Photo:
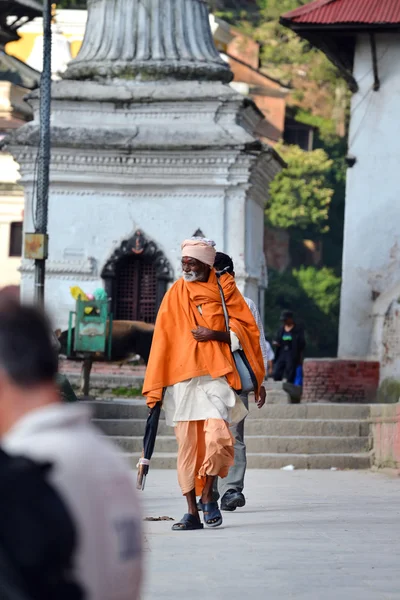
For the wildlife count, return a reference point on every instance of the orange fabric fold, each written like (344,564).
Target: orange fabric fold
(176,356)
(204,448)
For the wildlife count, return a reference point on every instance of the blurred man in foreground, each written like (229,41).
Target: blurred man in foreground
(93,481)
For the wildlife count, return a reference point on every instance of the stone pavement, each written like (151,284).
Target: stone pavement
(306,535)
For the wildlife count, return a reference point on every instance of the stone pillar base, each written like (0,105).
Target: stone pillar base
(336,380)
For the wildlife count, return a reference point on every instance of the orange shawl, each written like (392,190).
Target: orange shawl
(176,356)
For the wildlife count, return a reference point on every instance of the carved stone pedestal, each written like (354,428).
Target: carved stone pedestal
(146,135)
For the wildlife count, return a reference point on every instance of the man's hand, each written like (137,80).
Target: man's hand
(202,334)
(261,399)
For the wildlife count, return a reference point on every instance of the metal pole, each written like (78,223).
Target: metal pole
(44,150)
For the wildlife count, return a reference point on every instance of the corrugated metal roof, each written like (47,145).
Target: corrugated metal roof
(332,12)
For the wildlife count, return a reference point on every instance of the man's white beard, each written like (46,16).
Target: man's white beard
(191,276)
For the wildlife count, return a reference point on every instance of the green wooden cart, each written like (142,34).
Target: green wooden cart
(89,333)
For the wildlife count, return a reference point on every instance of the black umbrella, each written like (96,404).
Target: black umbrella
(149,441)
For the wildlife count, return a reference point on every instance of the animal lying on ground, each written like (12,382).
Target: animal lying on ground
(129,338)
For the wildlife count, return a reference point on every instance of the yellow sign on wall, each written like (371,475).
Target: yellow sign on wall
(36,245)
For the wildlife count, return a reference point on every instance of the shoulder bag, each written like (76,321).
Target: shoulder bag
(246,373)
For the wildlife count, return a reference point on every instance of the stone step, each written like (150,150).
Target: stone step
(128,427)
(306,445)
(311,411)
(284,427)
(263,444)
(118,409)
(308,427)
(360,460)
(137,409)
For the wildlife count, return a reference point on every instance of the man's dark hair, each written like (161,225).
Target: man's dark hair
(287,314)
(223,260)
(27,355)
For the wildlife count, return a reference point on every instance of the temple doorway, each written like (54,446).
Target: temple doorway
(136,290)
(136,279)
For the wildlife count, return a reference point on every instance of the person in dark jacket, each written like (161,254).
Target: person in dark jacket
(289,348)
(37,535)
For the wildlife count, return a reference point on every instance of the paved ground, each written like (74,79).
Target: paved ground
(308,535)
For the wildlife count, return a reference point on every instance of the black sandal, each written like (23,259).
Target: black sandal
(188,523)
(212,514)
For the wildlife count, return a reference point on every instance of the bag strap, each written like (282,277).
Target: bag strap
(224,308)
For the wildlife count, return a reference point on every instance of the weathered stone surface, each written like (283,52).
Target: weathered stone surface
(385,426)
(78,137)
(278,397)
(148,39)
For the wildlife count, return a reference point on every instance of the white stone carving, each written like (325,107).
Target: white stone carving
(65,269)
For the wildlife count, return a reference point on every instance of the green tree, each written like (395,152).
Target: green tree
(323,286)
(300,195)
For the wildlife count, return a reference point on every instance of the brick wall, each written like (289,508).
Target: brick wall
(335,380)
(385,427)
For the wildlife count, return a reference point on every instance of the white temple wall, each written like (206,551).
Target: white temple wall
(90,225)
(371,258)
(95,223)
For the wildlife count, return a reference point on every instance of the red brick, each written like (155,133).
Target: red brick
(340,380)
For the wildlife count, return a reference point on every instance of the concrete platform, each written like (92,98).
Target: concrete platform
(303,535)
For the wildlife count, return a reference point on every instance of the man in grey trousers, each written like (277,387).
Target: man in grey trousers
(231,488)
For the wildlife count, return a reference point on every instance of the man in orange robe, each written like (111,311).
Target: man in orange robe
(192,371)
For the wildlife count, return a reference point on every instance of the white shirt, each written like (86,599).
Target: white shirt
(266,349)
(98,489)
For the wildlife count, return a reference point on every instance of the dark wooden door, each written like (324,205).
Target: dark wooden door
(136,290)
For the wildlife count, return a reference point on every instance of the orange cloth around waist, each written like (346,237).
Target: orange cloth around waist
(204,448)
(176,356)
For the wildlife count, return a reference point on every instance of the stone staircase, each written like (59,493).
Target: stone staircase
(307,436)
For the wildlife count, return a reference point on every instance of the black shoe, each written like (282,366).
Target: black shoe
(231,500)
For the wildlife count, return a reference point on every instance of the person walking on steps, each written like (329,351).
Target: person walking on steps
(231,488)
(289,344)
